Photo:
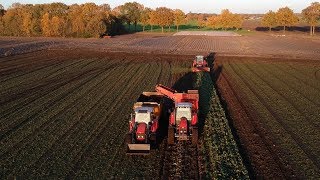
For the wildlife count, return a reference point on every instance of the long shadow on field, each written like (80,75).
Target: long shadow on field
(215,74)
(184,83)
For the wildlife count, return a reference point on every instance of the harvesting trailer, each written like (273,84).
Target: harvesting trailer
(183,120)
(200,64)
(144,123)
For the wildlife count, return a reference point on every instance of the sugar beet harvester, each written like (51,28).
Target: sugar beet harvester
(200,64)
(183,120)
(144,123)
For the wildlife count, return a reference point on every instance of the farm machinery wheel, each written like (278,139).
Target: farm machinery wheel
(153,139)
(171,135)
(195,135)
(128,140)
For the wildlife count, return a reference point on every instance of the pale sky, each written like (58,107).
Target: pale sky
(200,6)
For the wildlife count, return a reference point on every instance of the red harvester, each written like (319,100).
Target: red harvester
(144,122)
(183,120)
(200,64)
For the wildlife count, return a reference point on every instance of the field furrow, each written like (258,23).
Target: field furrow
(277,128)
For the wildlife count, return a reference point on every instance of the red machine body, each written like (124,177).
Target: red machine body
(144,123)
(183,121)
(200,64)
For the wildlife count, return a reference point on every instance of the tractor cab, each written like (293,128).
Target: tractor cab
(183,119)
(200,64)
(183,109)
(143,114)
(199,60)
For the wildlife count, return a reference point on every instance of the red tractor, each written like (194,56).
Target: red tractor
(200,64)
(183,120)
(144,123)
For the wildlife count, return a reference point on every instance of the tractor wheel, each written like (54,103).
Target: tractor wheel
(153,137)
(195,136)
(170,135)
(128,138)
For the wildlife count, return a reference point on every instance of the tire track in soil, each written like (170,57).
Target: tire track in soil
(90,76)
(118,157)
(304,79)
(41,64)
(41,89)
(272,160)
(288,99)
(317,74)
(74,132)
(306,86)
(94,140)
(306,75)
(11,130)
(74,79)
(276,117)
(180,161)
(38,85)
(308,151)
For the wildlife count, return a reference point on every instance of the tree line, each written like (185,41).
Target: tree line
(285,17)
(91,20)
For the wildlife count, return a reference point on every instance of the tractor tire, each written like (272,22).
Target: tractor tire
(170,135)
(153,138)
(195,135)
(128,139)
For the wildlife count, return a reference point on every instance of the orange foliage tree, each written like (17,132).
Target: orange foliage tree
(311,15)
(164,17)
(269,20)
(286,17)
(179,18)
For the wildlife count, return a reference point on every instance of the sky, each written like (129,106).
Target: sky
(197,6)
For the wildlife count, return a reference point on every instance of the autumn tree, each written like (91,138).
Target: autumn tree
(77,23)
(1,21)
(286,17)
(170,19)
(131,12)
(57,26)
(27,23)
(237,21)
(153,19)
(201,20)
(179,18)
(45,25)
(213,22)
(269,20)
(145,17)
(13,21)
(163,17)
(311,15)
(97,26)
(225,20)
(2,11)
